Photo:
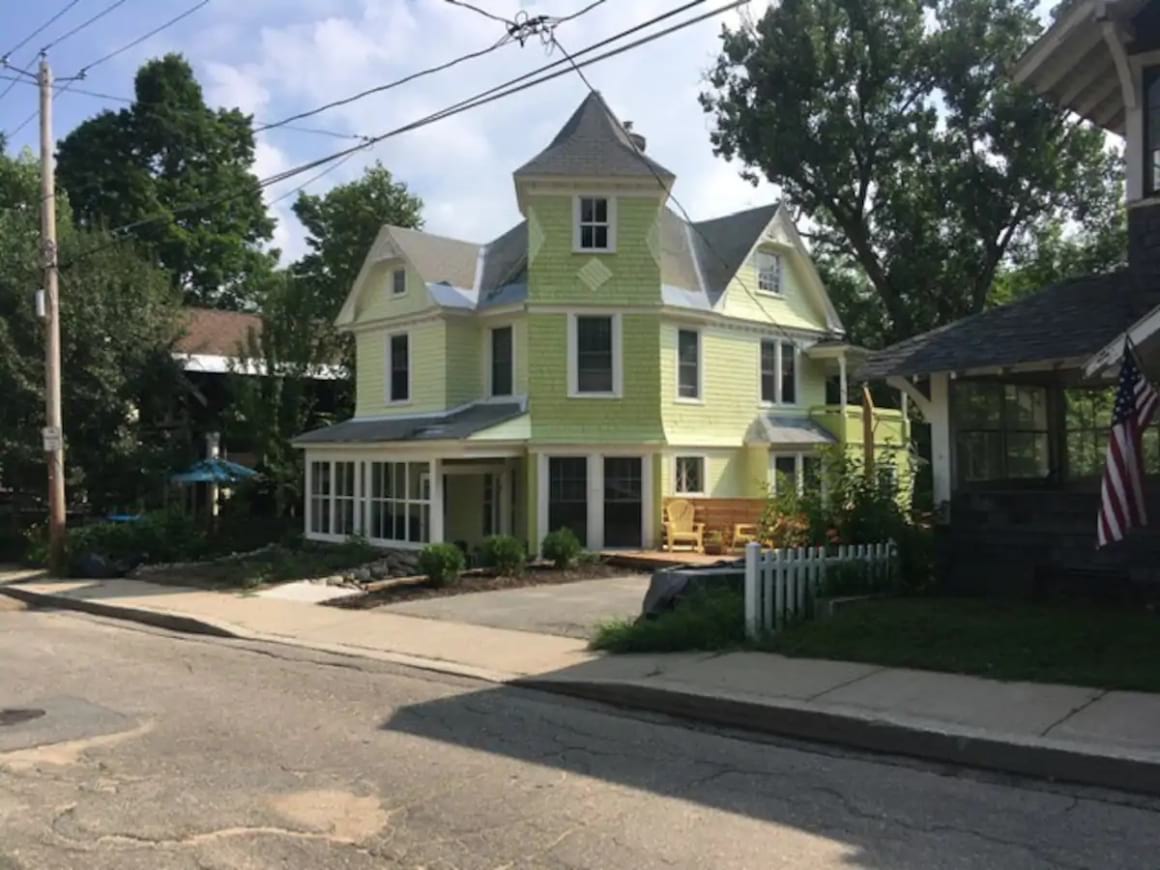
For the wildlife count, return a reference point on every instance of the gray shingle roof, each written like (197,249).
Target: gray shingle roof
(775,430)
(1070,319)
(437,258)
(723,243)
(434,428)
(504,258)
(593,143)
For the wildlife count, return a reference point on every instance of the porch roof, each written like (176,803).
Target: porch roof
(776,430)
(1063,322)
(436,427)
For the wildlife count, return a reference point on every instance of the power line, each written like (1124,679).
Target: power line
(652,169)
(490,95)
(83,25)
(88,66)
(506,39)
(37,32)
(386,87)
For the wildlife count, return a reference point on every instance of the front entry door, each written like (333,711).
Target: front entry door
(623,497)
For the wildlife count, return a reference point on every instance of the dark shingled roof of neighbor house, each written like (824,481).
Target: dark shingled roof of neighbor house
(437,427)
(1073,318)
(593,143)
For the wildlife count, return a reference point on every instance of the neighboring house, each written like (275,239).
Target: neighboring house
(595,359)
(214,344)
(1018,396)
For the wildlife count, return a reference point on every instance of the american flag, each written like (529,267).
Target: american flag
(1122,494)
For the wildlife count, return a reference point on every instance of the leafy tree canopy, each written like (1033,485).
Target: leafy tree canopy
(891,125)
(341,226)
(119,318)
(154,159)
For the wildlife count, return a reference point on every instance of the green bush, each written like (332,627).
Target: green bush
(160,536)
(442,563)
(504,553)
(708,619)
(561,547)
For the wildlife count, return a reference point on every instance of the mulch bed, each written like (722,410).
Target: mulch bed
(535,575)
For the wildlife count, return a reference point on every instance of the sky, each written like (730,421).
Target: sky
(274,58)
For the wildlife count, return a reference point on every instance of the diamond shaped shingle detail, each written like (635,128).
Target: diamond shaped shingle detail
(535,236)
(653,240)
(594,274)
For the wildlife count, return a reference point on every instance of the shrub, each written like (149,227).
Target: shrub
(442,563)
(561,547)
(504,553)
(160,536)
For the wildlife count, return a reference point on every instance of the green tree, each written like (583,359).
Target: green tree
(118,325)
(341,226)
(891,124)
(278,396)
(156,158)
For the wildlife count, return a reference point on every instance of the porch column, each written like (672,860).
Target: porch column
(940,437)
(843,387)
(436,530)
(506,502)
(595,502)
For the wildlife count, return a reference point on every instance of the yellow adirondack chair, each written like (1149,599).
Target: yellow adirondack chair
(680,526)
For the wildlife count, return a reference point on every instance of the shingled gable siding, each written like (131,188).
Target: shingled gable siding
(633,418)
(428,374)
(795,307)
(731,396)
(739,472)
(461,359)
(377,300)
(554,273)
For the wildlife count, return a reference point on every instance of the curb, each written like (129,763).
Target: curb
(1048,760)
(157,619)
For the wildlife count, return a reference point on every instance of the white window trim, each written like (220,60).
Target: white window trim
(617,356)
(704,474)
(797,373)
(779,293)
(799,466)
(397,403)
(611,200)
(699,399)
(395,269)
(488,352)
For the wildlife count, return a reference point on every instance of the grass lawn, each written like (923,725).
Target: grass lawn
(1081,645)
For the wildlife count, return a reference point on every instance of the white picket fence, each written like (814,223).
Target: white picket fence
(781,585)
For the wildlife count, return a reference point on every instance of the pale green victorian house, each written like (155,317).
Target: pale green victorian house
(590,362)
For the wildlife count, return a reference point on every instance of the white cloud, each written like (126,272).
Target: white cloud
(280,62)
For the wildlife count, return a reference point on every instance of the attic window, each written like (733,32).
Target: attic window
(594,224)
(398,282)
(768,272)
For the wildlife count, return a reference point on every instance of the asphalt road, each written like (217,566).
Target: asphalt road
(175,751)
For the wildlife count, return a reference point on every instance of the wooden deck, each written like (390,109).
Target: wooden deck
(652,559)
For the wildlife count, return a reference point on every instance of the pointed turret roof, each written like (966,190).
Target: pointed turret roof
(593,143)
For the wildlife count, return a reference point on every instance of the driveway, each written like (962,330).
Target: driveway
(570,609)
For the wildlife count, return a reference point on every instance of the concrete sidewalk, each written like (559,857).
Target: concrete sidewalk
(1104,738)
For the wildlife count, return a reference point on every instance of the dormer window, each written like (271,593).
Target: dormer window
(768,272)
(1152,131)
(398,282)
(595,224)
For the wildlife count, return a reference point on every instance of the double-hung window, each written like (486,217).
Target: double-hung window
(689,475)
(688,364)
(593,341)
(1152,131)
(768,272)
(778,372)
(501,361)
(398,282)
(594,224)
(797,472)
(399,368)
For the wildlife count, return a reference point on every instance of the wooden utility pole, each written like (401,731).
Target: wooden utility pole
(53,433)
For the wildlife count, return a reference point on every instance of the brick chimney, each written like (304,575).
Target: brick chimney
(638,140)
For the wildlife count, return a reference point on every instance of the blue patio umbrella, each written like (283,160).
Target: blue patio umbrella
(219,471)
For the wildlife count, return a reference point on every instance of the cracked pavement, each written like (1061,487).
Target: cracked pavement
(248,755)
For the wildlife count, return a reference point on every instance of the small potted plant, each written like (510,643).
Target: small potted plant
(714,543)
